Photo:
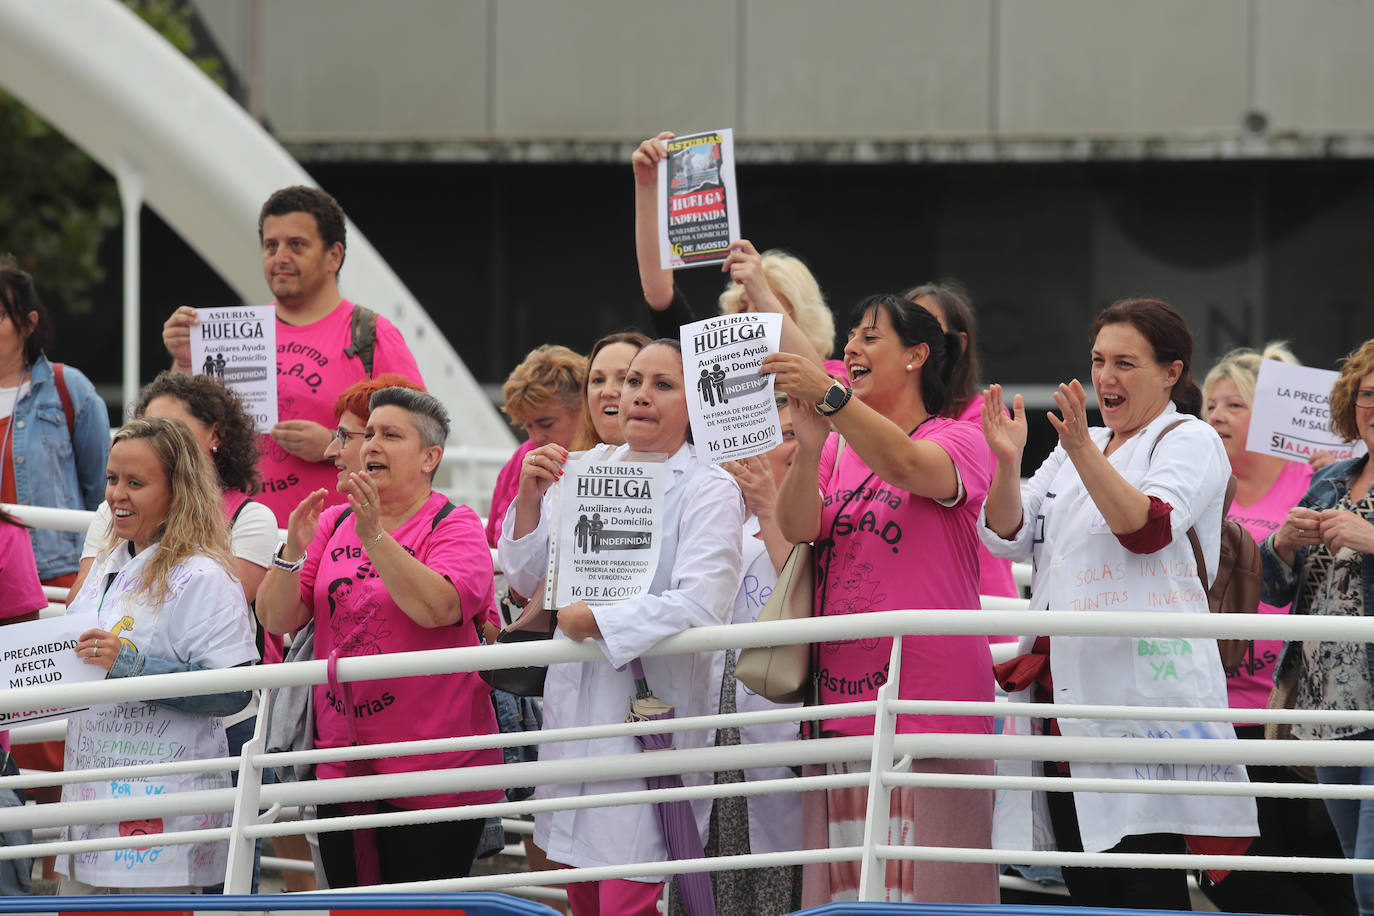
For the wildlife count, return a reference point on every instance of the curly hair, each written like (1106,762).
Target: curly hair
(329,216)
(1354,367)
(586,433)
(1241,368)
(549,372)
(355,397)
(195,514)
(217,406)
(792,282)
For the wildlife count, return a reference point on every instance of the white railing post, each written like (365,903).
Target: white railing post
(238,873)
(878,817)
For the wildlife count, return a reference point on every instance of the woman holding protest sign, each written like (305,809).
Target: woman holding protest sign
(398,569)
(693,584)
(1267,487)
(898,482)
(1322,560)
(165,599)
(1106,520)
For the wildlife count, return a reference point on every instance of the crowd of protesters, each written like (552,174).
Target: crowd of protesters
(183,571)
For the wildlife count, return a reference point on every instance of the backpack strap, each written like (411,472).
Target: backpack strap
(59,377)
(363,336)
(339,521)
(442,514)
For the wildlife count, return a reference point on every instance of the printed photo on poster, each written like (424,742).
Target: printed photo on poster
(238,346)
(1291,417)
(609,527)
(42,653)
(698,205)
(731,406)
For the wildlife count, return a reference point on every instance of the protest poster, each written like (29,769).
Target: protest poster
(698,207)
(42,653)
(1290,416)
(608,525)
(238,346)
(730,404)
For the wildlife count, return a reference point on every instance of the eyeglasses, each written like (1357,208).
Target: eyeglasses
(342,436)
(1364,397)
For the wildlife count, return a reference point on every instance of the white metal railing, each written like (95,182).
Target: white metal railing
(884,751)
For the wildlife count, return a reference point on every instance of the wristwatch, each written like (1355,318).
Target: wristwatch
(836,396)
(287,565)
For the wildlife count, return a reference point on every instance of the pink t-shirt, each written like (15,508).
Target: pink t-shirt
(20,591)
(995,576)
(352,607)
(312,372)
(503,494)
(1250,689)
(895,551)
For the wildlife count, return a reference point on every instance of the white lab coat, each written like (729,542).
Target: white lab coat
(697,578)
(1080,565)
(775,823)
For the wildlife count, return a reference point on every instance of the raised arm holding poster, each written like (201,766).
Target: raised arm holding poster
(238,346)
(42,653)
(608,525)
(1291,417)
(698,207)
(730,404)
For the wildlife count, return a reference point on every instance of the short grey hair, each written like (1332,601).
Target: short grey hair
(428,415)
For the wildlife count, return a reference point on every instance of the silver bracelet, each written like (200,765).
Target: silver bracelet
(376,539)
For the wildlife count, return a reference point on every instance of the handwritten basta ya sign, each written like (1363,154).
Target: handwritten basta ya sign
(609,525)
(730,404)
(43,653)
(1291,416)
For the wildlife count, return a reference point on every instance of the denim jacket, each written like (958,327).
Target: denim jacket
(54,469)
(129,663)
(1281,584)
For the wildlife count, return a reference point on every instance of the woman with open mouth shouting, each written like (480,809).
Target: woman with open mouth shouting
(899,490)
(1106,520)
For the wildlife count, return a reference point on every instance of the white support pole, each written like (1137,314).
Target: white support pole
(130,183)
(238,873)
(878,817)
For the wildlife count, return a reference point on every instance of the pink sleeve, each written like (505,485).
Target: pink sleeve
(826,470)
(392,354)
(20,589)
(966,447)
(507,484)
(457,550)
(315,552)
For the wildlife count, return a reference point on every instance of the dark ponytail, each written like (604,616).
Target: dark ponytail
(915,326)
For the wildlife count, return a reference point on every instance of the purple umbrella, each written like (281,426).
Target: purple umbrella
(675,818)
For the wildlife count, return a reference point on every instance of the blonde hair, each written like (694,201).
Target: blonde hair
(549,372)
(1241,366)
(792,282)
(195,514)
(1354,367)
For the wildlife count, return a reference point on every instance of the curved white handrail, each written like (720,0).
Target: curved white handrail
(141,108)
